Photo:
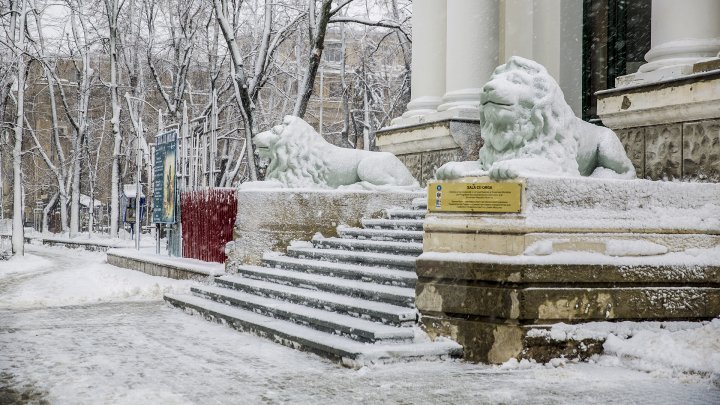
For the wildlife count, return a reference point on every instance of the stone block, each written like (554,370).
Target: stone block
(413,162)
(633,139)
(432,160)
(663,152)
(474,242)
(269,219)
(559,304)
(450,297)
(701,150)
(482,341)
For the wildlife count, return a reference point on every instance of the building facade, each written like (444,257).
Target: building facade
(588,46)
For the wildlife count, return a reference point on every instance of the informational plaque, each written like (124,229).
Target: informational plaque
(475,197)
(165,185)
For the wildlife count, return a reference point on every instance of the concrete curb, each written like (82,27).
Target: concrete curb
(156,265)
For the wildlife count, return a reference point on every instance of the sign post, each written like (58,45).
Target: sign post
(165,181)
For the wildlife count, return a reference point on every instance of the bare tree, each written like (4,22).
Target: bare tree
(246,89)
(18,237)
(112,11)
(317,30)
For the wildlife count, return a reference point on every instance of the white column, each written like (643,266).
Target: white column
(682,33)
(428,57)
(472,52)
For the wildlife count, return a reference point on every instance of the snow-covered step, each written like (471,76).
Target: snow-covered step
(380,275)
(379,311)
(400,213)
(420,203)
(329,322)
(347,351)
(370,291)
(405,224)
(380,234)
(406,248)
(383,259)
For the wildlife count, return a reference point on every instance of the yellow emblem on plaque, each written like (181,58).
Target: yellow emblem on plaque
(475,197)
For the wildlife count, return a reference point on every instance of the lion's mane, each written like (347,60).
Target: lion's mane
(296,158)
(544,125)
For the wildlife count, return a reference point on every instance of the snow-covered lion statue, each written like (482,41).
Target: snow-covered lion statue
(300,157)
(529,130)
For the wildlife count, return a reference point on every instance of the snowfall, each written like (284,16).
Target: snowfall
(75,330)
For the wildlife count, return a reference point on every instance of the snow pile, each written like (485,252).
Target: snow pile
(22,264)
(66,283)
(601,330)
(610,247)
(666,351)
(662,348)
(615,247)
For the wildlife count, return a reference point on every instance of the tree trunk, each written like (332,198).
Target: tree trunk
(240,84)
(112,10)
(306,90)
(18,231)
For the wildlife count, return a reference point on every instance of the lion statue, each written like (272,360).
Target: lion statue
(300,157)
(529,130)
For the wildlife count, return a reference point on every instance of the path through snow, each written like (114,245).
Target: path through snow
(78,331)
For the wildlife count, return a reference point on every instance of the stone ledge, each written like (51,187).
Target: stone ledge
(431,136)
(687,98)
(558,303)
(572,274)
(155,265)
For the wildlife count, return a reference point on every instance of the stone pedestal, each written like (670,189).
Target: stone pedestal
(670,129)
(427,145)
(649,251)
(269,219)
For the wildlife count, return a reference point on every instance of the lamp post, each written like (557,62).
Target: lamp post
(138,164)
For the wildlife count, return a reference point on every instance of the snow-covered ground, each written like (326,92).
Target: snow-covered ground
(75,330)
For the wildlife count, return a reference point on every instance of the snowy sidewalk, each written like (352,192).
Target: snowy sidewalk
(75,330)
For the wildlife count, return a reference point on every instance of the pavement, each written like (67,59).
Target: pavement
(137,350)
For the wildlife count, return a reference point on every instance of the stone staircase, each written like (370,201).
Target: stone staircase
(349,298)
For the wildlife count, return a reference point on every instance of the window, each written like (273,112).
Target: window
(333,52)
(616,37)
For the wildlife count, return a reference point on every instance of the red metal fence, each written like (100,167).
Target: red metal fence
(207,218)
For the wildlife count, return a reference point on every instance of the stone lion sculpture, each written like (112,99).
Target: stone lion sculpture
(300,157)
(530,130)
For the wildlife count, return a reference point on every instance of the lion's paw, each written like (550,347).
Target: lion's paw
(456,170)
(503,170)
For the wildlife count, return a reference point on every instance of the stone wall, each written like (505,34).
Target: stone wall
(268,220)
(687,150)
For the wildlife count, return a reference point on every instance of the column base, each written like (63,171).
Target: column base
(671,60)
(422,106)
(464,99)
(654,76)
